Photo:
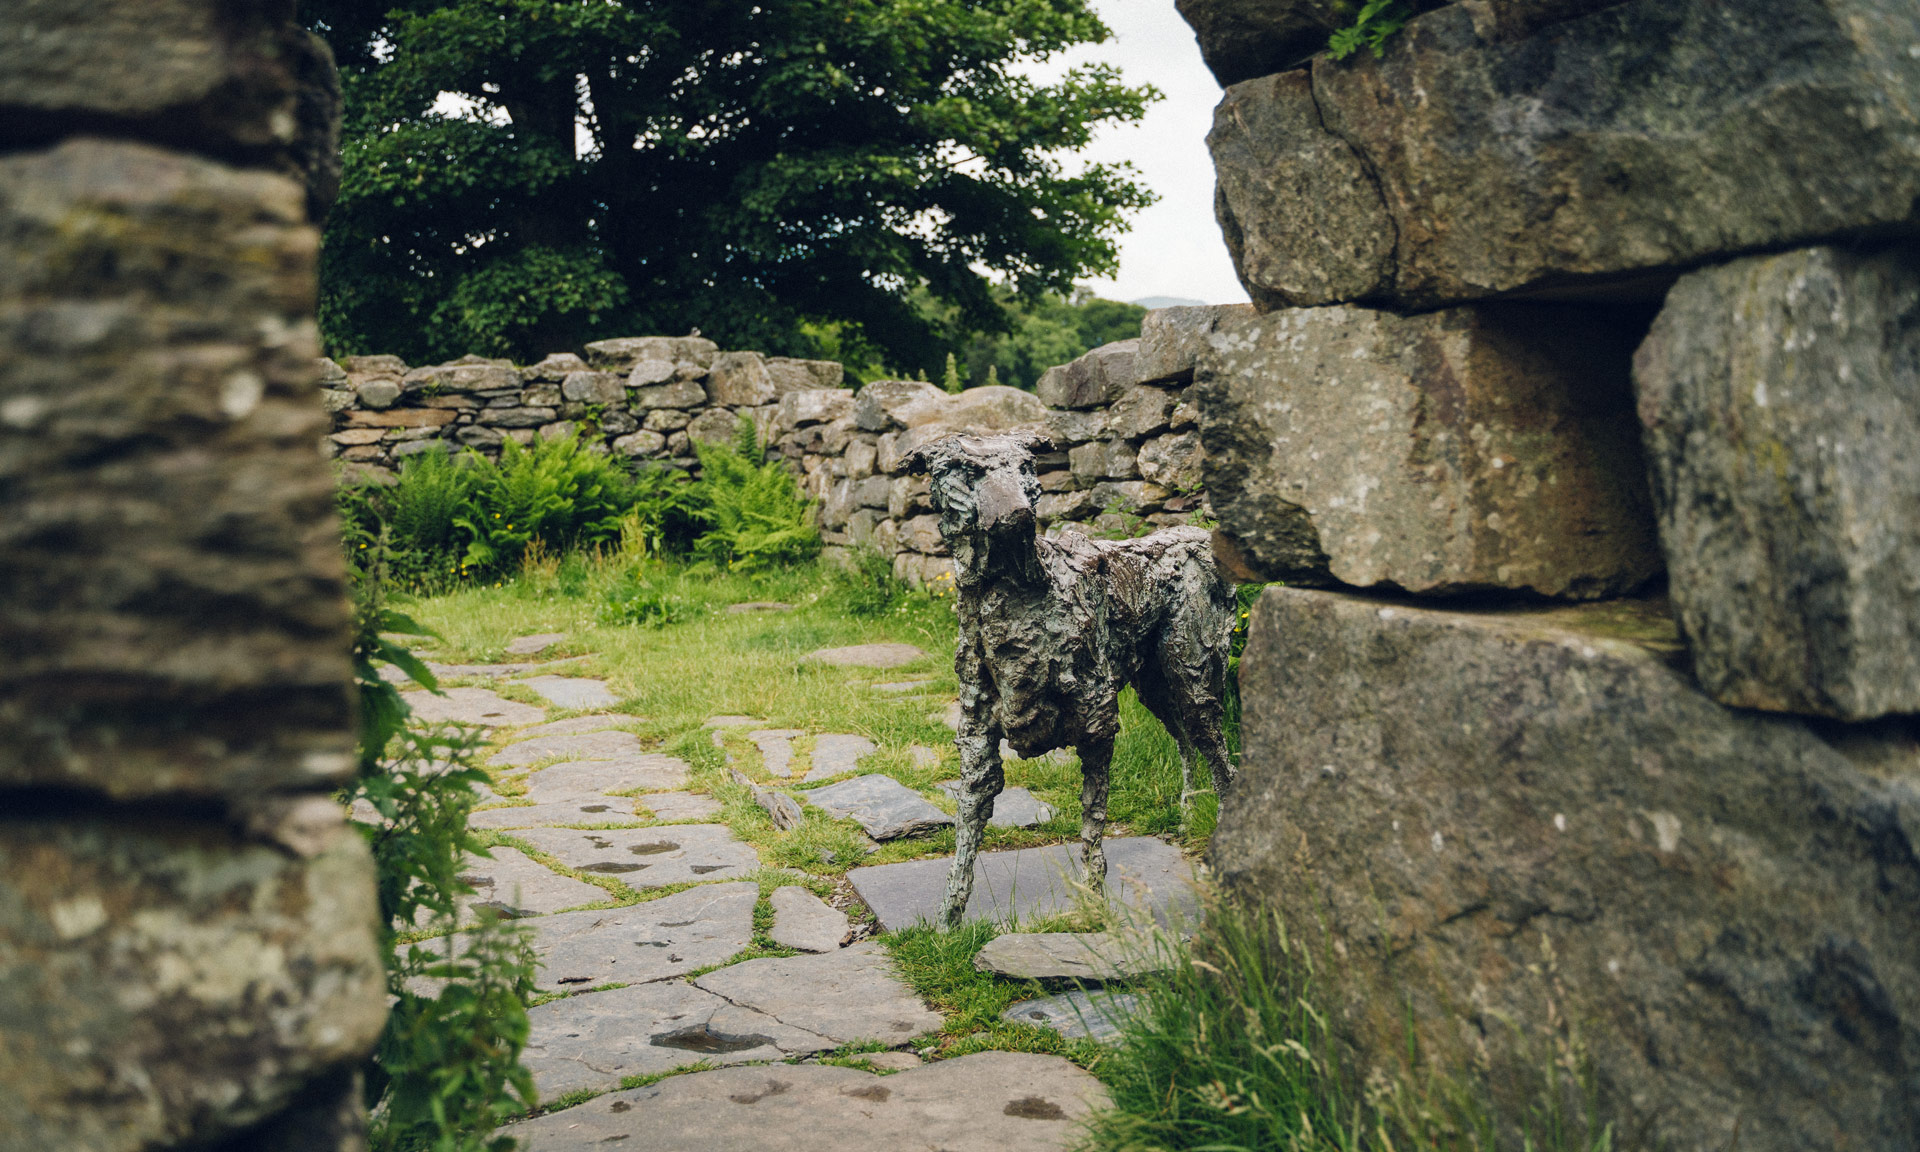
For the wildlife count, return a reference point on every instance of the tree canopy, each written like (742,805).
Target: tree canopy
(763,172)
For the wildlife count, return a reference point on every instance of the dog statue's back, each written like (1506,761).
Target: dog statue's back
(1051,629)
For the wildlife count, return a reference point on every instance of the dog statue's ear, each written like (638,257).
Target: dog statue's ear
(920,461)
(1036,443)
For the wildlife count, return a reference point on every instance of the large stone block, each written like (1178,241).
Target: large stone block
(620,355)
(1781,398)
(1479,447)
(1172,338)
(1095,380)
(1647,136)
(162,979)
(740,380)
(172,600)
(792,375)
(1485,813)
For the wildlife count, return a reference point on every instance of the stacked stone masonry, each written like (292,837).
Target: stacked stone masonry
(1579,410)
(188,952)
(1122,418)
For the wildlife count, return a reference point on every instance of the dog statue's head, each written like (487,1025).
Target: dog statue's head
(987,496)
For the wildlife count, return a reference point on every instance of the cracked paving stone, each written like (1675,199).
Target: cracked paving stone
(596,1039)
(649,857)
(986,1102)
(1095,1015)
(1144,875)
(657,940)
(480,706)
(805,922)
(884,807)
(649,771)
(597,745)
(534,645)
(835,755)
(680,805)
(776,749)
(849,995)
(1092,957)
(517,886)
(572,691)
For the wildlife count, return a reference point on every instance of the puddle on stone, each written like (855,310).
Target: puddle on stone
(703,869)
(620,1106)
(701,1038)
(874,1092)
(612,867)
(653,849)
(1034,1108)
(596,808)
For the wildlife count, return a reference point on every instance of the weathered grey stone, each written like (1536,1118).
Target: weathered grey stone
(1139,412)
(780,808)
(171,594)
(679,394)
(1091,957)
(649,772)
(379,393)
(921,534)
(421,448)
(714,426)
(467,374)
(164,980)
(1173,462)
(480,706)
(594,388)
(816,406)
(538,396)
(1096,1015)
(596,1040)
(648,372)
(1445,794)
(1480,447)
(791,375)
(849,995)
(898,686)
(595,743)
(834,755)
(1093,381)
(993,408)
(740,380)
(554,368)
(1171,339)
(572,691)
(884,807)
(1781,399)
(1067,428)
(655,940)
(513,884)
(805,922)
(1647,136)
(529,418)
(650,857)
(882,404)
(680,805)
(584,808)
(641,443)
(1014,807)
(1145,877)
(986,1102)
(776,749)
(666,420)
(577,726)
(867,656)
(534,645)
(622,354)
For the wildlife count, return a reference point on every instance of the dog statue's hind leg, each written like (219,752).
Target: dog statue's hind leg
(981,779)
(1095,758)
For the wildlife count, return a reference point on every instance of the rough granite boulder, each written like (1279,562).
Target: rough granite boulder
(1171,339)
(1479,810)
(1475,448)
(1781,399)
(172,597)
(740,380)
(1650,135)
(791,375)
(161,979)
(622,354)
(1094,380)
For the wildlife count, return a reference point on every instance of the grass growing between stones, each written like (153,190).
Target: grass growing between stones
(939,967)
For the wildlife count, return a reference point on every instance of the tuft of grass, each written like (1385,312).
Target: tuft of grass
(939,967)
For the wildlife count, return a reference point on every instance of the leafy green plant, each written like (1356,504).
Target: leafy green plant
(867,587)
(750,509)
(1244,598)
(633,601)
(1372,26)
(555,492)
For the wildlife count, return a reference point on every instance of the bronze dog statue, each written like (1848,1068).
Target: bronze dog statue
(1051,629)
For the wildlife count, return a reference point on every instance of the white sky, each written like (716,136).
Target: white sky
(1175,247)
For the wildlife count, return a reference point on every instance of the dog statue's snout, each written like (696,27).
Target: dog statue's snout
(1002,505)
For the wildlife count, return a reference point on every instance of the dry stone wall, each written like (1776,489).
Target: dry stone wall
(1481,728)
(188,954)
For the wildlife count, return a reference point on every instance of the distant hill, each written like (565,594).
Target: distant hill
(1167,302)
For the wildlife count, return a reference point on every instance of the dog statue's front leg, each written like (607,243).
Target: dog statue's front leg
(981,779)
(1095,757)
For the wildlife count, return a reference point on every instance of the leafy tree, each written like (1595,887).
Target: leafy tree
(1053,329)
(753,170)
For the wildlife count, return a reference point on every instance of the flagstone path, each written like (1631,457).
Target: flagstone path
(596,819)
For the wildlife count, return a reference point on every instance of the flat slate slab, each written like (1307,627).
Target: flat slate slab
(573,691)
(650,771)
(867,656)
(657,940)
(732,721)
(587,808)
(986,1102)
(393,675)
(1013,808)
(849,995)
(479,706)
(517,885)
(922,756)
(901,685)
(776,749)
(596,1039)
(604,722)
(884,807)
(649,857)
(838,755)
(805,922)
(1090,957)
(1144,875)
(596,745)
(1095,1015)
(680,805)
(534,645)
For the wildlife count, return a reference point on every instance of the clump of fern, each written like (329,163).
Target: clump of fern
(750,510)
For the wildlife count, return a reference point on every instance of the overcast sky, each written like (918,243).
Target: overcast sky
(1175,247)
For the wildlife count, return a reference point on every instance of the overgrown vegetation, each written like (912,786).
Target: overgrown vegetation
(1373,25)
(447,1068)
(1233,1051)
(749,508)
